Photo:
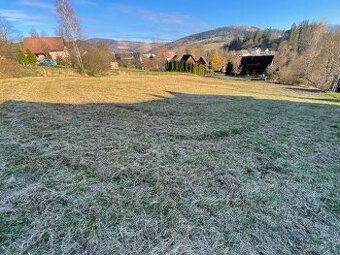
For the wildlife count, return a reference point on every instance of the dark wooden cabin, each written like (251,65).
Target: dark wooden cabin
(202,61)
(188,59)
(255,65)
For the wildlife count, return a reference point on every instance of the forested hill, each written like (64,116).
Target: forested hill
(219,36)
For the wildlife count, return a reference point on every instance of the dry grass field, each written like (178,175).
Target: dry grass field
(145,163)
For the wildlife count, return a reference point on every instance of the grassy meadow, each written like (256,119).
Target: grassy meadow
(147,163)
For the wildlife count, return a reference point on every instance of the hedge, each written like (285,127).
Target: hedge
(181,66)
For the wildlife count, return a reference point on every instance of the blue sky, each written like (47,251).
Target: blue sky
(167,20)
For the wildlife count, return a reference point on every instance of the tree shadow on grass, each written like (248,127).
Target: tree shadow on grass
(190,167)
(301,89)
(329,100)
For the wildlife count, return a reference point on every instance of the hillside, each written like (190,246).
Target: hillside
(217,37)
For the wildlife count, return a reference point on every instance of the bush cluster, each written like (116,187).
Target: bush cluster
(27,59)
(96,59)
(10,68)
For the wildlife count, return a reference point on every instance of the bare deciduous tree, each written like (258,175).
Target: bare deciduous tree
(312,49)
(34,32)
(328,62)
(5,29)
(97,59)
(157,61)
(69,27)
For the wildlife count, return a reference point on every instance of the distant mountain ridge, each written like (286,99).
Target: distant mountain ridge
(212,38)
(208,39)
(334,28)
(121,46)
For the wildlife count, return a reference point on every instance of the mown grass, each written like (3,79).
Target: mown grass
(167,164)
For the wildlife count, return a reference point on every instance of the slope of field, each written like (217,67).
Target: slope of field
(167,164)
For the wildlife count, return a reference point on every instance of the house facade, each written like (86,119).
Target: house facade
(255,65)
(46,47)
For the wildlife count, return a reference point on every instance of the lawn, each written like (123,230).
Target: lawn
(167,164)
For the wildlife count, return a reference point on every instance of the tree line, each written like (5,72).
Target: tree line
(308,54)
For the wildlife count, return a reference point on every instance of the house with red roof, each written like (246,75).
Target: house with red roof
(46,47)
(169,55)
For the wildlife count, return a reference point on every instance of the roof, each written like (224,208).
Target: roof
(187,57)
(169,54)
(44,44)
(149,55)
(202,61)
(175,58)
(255,65)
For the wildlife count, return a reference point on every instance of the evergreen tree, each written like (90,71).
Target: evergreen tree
(266,37)
(229,69)
(201,70)
(257,37)
(23,60)
(294,36)
(195,69)
(171,65)
(32,59)
(305,33)
(236,44)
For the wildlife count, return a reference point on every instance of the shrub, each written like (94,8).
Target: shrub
(11,68)
(22,59)
(97,59)
(229,69)
(31,58)
(62,61)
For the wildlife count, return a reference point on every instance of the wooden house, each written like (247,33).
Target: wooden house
(188,59)
(202,61)
(255,65)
